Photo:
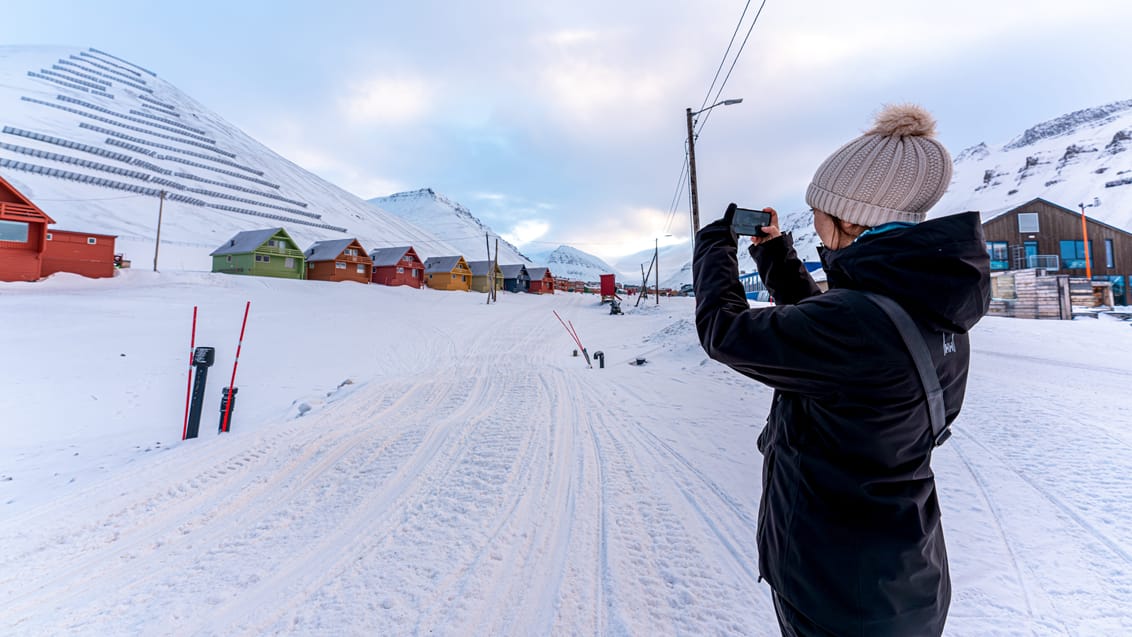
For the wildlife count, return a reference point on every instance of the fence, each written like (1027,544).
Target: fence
(115,57)
(172,129)
(102,75)
(160,110)
(58,141)
(67,78)
(149,99)
(121,77)
(67,159)
(252,191)
(166,121)
(106,83)
(134,74)
(69,85)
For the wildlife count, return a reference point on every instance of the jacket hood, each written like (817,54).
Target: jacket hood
(938,270)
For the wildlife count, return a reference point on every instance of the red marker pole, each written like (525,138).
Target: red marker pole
(232,383)
(189,387)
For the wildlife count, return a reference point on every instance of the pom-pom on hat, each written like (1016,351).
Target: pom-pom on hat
(894,172)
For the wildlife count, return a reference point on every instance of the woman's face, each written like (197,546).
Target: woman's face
(830,234)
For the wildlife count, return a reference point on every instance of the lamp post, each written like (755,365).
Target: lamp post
(692,161)
(1085,238)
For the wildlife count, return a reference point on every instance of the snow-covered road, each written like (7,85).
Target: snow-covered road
(476,479)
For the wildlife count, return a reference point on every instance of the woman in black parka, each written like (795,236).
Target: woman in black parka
(849,531)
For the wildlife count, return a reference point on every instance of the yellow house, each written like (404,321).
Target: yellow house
(448,273)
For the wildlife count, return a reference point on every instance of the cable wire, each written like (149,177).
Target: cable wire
(733,62)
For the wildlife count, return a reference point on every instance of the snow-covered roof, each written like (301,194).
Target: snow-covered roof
(246,241)
(538,273)
(327,250)
(480,268)
(388,256)
(512,271)
(441,264)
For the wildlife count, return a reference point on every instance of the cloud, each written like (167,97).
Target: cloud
(527,231)
(388,100)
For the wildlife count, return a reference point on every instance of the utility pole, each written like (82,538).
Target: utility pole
(692,177)
(656,260)
(495,266)
(1085,236)
(491,275)
(157,243)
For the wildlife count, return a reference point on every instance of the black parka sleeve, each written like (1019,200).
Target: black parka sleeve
(809,348)
(783,273)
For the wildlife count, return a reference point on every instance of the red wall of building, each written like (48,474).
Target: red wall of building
(21,261)
(68,251)
(387,275)
(326,271)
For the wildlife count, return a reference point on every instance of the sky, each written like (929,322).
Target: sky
(564,122)
(392,471)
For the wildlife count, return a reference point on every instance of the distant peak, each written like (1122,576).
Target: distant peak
(1068,123)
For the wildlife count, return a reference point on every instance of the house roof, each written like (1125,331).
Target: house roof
(990,215)
(538,273)
(247,241)
(22,209)
(389,256)
(441,264)
(480,268)
(512,271)
(327,250)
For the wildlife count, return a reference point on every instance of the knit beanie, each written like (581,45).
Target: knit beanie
(894,172)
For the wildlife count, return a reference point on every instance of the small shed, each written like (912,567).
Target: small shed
(447,273)
(484,275)
(338,260)
(86,253)
(542,281)
(515,277)
(269,252)
(23,235)
(397,266)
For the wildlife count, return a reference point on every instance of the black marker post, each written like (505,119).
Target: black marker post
(203,357)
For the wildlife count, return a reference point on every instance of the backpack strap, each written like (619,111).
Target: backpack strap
(916,346)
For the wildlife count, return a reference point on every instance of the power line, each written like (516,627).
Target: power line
(733,62)
(723,61)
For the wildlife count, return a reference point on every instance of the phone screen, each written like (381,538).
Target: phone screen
(750,222)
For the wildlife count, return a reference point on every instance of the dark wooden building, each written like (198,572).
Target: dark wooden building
(515,277)
(338,260)
(541,282)
(397,266)
(1041,234)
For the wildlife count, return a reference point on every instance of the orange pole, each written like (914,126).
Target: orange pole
(189,387)
(1085,234)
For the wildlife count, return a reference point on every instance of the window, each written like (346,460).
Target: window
(1028,222)
(351,252)
(339,265)
(289,263)
(361,268)
(414,273)
(91,241)
(14,231)
(1109,259)
(228,258)
(999,255)
(400,270)
(1073,254)
(263,258)
(407,259)
(49,237)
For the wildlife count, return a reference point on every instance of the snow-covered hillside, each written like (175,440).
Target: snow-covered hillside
(92,139)
(1076,158)
(451,223)
(576,265)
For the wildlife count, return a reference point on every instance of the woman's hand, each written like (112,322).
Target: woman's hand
(771,230)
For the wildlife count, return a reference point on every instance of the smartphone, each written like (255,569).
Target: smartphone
(750,222)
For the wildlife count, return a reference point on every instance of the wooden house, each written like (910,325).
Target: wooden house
(29,250)
(447,273)
(338,260)
(269,252)
(515,277)
(397,266)
(1043,235)
(86,253)
(485,274)
(542,281)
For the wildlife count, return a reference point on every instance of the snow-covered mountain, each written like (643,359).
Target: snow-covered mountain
(1076,158)
(452,223)
(572,263)
(93,140)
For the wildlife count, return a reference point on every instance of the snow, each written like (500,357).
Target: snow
(420,462)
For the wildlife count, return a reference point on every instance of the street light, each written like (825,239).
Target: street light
(1085,237)
(692,161)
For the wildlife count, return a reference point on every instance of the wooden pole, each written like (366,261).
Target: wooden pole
(656,260)
(157,243)
(494,268)
(692,177)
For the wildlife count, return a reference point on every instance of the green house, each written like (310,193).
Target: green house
(270,252)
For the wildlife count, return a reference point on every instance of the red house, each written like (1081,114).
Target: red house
(29,251)
(542,281)
(338,260)
(397,266)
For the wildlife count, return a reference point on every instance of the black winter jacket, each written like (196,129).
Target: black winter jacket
(849,523)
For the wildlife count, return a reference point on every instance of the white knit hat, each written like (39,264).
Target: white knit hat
(894,172)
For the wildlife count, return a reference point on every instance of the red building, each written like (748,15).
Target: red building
(542,281)
(338,260)
(397,266)
(30,251)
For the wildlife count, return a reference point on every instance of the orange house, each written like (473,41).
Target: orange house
(338,260)
(542,281)
(397,266)
(29,251)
